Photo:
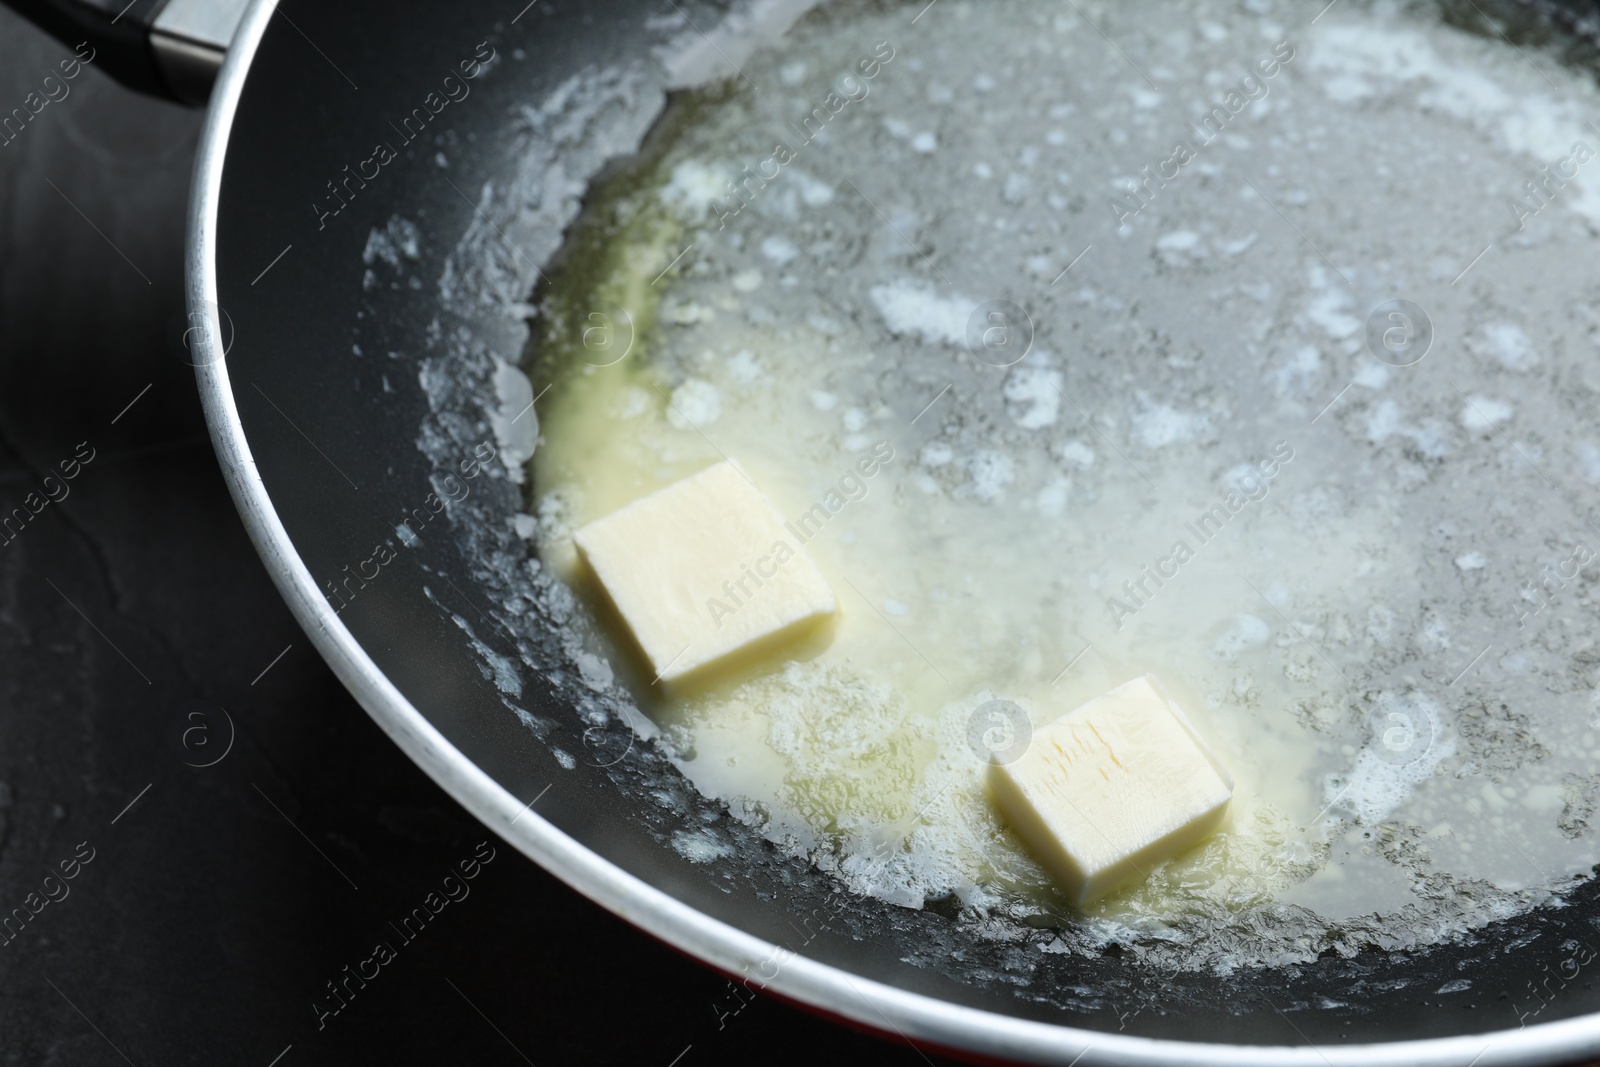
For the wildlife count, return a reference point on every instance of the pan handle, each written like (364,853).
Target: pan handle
(168,48)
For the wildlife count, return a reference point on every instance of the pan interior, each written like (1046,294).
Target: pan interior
(419,293)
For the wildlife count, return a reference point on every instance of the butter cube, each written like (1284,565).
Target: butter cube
(1109,790)
(703,570)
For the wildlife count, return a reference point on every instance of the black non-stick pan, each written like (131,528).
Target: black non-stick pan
(311,346)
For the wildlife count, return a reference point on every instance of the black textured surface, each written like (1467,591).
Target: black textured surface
(206,925)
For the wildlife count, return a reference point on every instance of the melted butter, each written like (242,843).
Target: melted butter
(1005,552)
(946,604)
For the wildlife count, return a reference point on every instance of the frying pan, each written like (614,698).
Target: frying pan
(312,342)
